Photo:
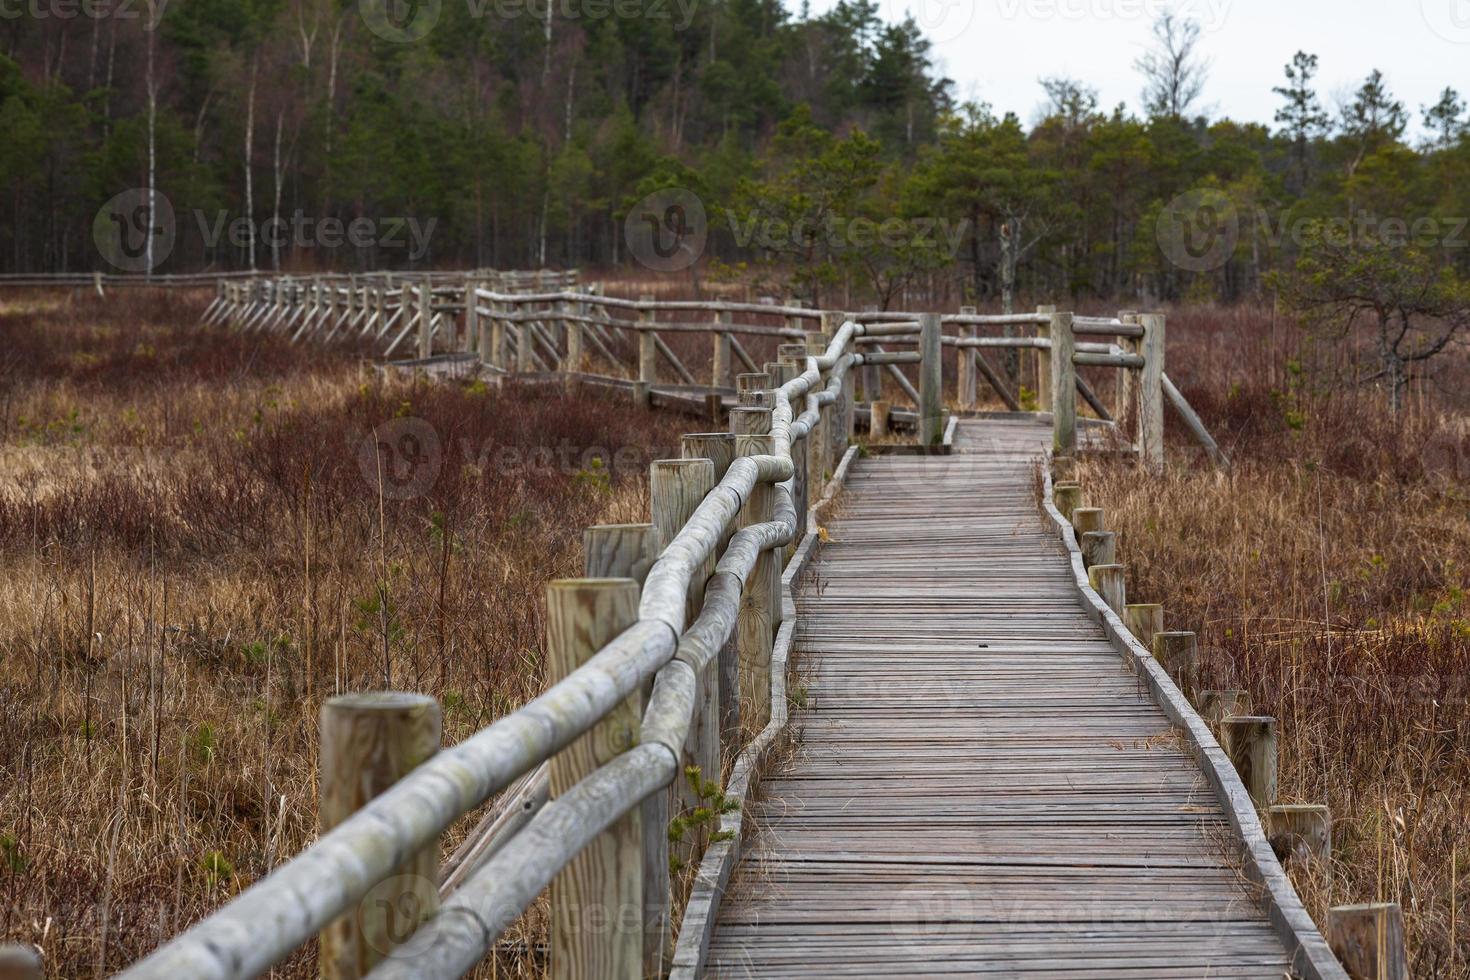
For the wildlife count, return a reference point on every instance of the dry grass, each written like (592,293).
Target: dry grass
(1326,575)
(194,554)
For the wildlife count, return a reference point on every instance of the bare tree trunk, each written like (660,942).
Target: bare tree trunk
(276,204)
(249,169)
(152,86)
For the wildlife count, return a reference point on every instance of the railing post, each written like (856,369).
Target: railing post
(1042,360)
(471,316)
(676,488)
(1063,385)
(1301,828)
(1369,940)
(839,422)
(1085,519)
(629,551)
(380,312)
(1098,548)
(931,381)
(21,962)
(368,742)
(426,318)
(719,449)
(793,360)
(1151,393)
(1250,742)
(878,419)
(819,442)
(969,395)
(597,900)
(755,626)
(1215,706)
(1067,497)
(1127,378)
(574,328)
(1145,620)
(647,356)
(1178,654)
(1110,582)
(720,371)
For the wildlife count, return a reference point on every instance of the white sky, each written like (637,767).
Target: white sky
(995,50)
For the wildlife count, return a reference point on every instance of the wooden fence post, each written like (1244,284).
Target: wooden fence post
(1063,470)
(1178,653)
(1042,361)
(619,551)
(1109,581)
(839,419)
(931,381)
(426,318)
(878,413)
(1145,620)
(574,328)
(1098,548)
(719,449)
(969,395)
(471,316)
(647,356)
(1369,940)
(1304,828)
(497,336)
(720,370)
(757,619)
(1067,497)
(369,741)
(1085,519)
(597,900)
(1151,393)
(1250,742)
(1218,705)
(1127,378)
(19,962)
(1063,385)
(676,488)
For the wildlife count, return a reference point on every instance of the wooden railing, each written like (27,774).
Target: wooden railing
(668,658)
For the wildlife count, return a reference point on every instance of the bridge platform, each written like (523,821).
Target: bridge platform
(978,786)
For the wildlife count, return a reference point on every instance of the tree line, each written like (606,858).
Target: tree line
(824,149)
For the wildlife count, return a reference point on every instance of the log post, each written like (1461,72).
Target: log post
(719,448)
(369,741)
(1369,940)
(1145,620)
(755,626)
(619,551)
(471,315)
(1301,828)
(720,372)
(878,419)
(1042,359)
(969,395)
(1250,742)
(1067,497)
(426,318)
(574,328)
(1063,469)
(647,355)
(597,900)
(676,488)
(839,421)
(1110,582)
(1098,548)
(1063,385)
(1127,378)
(1178,654)
(1151,393)
(497,334)
(931,381)
(1085,519)
(793,357)
(21,962)
(380,313)
(1217,705)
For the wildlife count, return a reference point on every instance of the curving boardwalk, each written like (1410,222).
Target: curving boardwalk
(978,787)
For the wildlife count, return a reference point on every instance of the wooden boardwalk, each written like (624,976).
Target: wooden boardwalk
(978,786)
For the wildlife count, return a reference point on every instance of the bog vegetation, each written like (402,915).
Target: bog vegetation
(195,556)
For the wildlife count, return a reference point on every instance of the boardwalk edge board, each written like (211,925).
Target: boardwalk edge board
(697,928)
(1312,959)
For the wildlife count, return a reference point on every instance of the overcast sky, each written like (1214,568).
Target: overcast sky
(995,50)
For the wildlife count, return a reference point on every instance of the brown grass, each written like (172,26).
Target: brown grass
(1326,575)
(194,554)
